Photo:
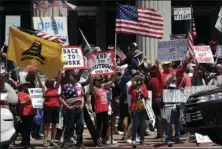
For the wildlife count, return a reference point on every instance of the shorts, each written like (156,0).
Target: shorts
(124,109)
(51,114)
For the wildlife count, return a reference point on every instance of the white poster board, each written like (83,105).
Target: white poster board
(219,80)
(54,26)
(102,63)
(219,51)
(60,124)
(203,54)
(202,138)
(3,96)
(9,21)
(181,96)
(182,13)
(36,95)
(173,50)
(149,109)
(220,13)
(73,57)
(218,24)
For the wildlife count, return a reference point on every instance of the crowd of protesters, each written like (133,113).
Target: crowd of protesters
(108,97)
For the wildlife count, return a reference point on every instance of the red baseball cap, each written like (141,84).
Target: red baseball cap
(31,69)
(212,42)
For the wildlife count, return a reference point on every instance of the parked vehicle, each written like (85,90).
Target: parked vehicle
(8,132)
(203,114)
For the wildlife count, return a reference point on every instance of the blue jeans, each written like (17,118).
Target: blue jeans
(175,117)
(138,122)
(71,118)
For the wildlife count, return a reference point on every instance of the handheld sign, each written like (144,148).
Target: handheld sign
(9,21)
(219,51)
(36,95)
(218,24)
(73,58)
(173,50)
(182,13)
(203,54)
(102,63)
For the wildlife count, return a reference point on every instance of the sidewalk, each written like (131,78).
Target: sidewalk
(149,142)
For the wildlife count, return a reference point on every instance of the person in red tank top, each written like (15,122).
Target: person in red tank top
(97,88)
(51,110)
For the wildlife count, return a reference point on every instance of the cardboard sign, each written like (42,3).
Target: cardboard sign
(102,63)
(218,24)
(174,50)
(73,58)
(54,26)
(149,110)
(182,13)
(202,138)
(219,80)
(36,95)
(60,124)
(203,54)
(220,13)
(181,96)
(219,51)
(9,21)
(3,96)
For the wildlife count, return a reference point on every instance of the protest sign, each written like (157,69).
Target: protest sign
(54,26)
(219,51)
(36,95)
(220,13)
(173,50)
(3,96)
(102,63)
(181,96)
(182,13)
(73,58)
(202,138)
(149,110)
(203,54)
(9,21)
(219,80)
(218,24)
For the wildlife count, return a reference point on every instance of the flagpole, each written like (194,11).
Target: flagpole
(115,45)
(83,36)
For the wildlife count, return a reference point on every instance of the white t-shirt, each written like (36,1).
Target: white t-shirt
(129,96)
(22,76)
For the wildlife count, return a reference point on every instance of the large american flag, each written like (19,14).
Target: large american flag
(44,4)
(192,34)
(139,21)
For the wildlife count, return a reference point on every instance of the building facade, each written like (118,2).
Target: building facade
(96,18)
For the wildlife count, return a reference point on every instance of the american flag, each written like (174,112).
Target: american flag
(192,34)
(139,21)
(44,4)
(44,35)
(121,55)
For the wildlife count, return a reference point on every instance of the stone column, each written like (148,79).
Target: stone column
(149,45)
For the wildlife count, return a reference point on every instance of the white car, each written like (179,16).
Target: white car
(8,132)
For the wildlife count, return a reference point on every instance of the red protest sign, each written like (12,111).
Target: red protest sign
(102,63)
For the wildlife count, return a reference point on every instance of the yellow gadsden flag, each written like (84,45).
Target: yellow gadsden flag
(25,49)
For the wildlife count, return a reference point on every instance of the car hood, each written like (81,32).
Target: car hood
(207,92)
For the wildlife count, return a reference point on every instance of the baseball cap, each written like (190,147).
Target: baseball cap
(165,63)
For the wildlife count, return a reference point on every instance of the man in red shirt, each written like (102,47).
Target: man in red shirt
(155,86)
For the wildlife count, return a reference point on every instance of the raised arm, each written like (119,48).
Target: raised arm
(158,73)
(110,82)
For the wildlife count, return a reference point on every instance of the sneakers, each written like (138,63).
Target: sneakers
(137,140)
(54,144)
(114,142)
(148,132)
(47,144)
(129,141)
(133,143)
(50,143)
